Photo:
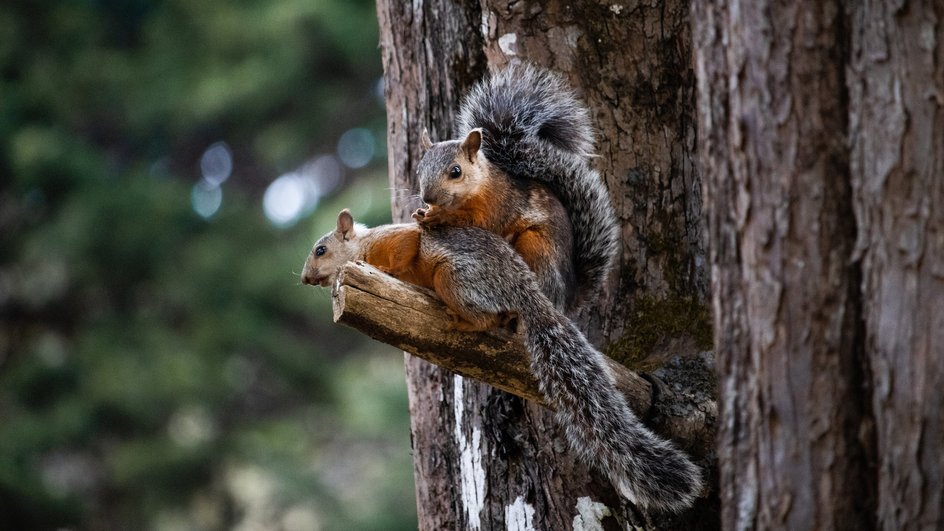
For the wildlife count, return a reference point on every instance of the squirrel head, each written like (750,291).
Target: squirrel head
(332,250)
(453,171)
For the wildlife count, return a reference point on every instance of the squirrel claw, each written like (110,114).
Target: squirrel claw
(419,215)
(427,217)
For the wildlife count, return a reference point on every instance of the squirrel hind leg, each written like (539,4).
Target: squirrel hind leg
(458,295)
(474,322)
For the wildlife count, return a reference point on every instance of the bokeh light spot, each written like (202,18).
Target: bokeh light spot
(284,199)
(326,172)
(356,148)
(206,199)
(191,426)
(216,164)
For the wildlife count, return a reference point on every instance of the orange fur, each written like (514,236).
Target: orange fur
(480,211)
(484,210)
(490,208)
(535,246)
(476,211)
(396,253)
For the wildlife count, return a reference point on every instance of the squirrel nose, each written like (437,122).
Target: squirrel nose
(308,276)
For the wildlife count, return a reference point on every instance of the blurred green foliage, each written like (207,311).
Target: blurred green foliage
(159,370)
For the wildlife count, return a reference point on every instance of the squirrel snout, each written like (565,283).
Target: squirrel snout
(432,194)
(308,277)
(312,278)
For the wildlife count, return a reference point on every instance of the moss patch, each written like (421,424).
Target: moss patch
(653,323)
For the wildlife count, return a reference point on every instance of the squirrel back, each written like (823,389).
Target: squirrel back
(534,127)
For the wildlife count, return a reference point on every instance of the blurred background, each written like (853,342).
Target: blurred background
(165,167)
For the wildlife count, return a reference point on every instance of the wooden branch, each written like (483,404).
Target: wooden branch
(414,320)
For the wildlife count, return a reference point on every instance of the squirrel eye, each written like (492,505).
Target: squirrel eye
(455,172)
(320,250)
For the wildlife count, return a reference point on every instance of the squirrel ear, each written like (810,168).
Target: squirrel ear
(345,225)
(472,143)
(426,141)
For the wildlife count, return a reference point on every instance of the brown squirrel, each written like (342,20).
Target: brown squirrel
(394,249)
(484,282)
(466,190)
(523,171)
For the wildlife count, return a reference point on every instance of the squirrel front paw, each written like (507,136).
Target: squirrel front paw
(427,217)
(419,215)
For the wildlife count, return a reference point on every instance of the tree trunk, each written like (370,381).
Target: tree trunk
(778,200)
(484,459)
(823,171)
(896,84)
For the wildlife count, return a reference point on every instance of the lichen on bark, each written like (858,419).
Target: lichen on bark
(659,328)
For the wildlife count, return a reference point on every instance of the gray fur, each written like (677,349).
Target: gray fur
(534,127)
(523,102)
(432,166)
(490,278)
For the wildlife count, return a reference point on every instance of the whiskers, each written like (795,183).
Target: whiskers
(408,200)
(403,193)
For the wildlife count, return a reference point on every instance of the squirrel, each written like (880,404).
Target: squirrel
(463,189)
(484,282)
(522,129)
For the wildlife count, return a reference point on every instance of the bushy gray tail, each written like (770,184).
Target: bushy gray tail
(599,425)
(522,104)
(536,128)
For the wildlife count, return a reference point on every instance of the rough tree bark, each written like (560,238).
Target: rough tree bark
(896,84)
(822,164)
(778,200)
(484,459)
